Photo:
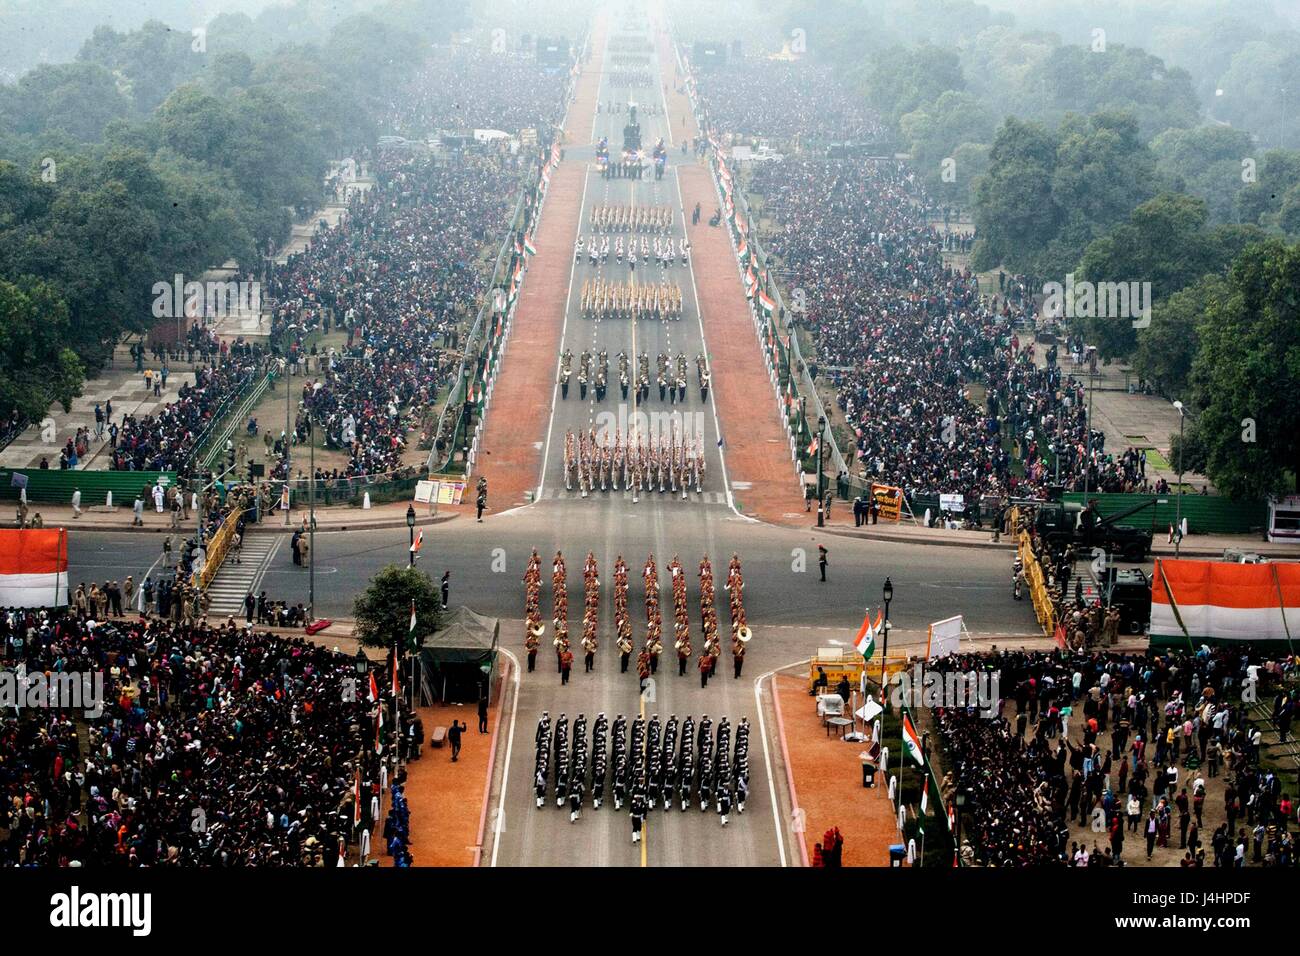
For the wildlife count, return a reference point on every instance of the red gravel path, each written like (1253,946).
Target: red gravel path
(755,444)
(511,450)
(828,780)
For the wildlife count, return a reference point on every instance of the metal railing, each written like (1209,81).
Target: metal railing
(227,421)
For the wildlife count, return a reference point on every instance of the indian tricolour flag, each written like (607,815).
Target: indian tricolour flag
(912,741)
(33,567)
(528,245)
(865,642)
(765,301)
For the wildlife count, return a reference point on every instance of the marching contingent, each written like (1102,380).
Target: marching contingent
(603,299)
(647,662)
(672,463)
(593,370)
(620,218)
(669,763)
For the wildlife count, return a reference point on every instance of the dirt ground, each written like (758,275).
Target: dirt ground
(446,798)
(828,782)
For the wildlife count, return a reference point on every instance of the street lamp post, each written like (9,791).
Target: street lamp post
(1178,502)
(410,527)
(888,594)
(821,494)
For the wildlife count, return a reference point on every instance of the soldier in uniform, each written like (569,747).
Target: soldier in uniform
(738,650)
(543,756)
(742,784)
(599,757)
(638,810)
(575,798)
(706,666)
(620,772)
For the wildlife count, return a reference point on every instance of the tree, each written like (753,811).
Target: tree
(1166,242)
(1165,351)
(34,369)
(1075,79)
(1276,174)
(1246,376)
(901,80)
(1252,90)
(383,609)
(1207,162)
(936,133)
(1014,211)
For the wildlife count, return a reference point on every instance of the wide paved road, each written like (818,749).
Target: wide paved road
(792,613)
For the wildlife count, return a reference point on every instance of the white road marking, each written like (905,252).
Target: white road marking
(767,758)
(559,359)
(505,770)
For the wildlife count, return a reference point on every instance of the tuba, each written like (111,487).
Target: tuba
(744,635)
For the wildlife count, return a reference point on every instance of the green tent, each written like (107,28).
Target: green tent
(459,659)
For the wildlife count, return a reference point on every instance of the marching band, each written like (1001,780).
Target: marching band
(648,658)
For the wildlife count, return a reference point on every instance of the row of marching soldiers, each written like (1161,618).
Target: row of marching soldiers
(606,299)
(666,252)
(647,662)
(594,369)
(619,218)
(669,763)
(675,464)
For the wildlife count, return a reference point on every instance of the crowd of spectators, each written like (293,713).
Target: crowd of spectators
(216,746)
(937,379)
(402,274)
(787,102)
(167,439)
(465,87)
(1125,746)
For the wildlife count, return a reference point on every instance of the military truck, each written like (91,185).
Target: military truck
(1128,589)
(1062,523)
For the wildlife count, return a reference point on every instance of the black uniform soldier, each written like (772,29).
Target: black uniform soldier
(638,810)
(575,799)
(668,760)
(598,760)
(724,803)
(742,785)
